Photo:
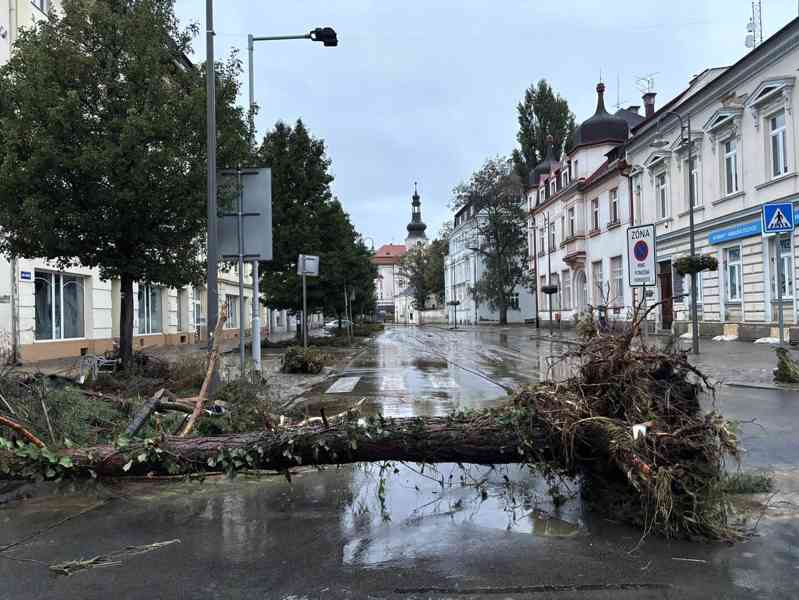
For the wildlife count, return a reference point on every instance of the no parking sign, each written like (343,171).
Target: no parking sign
(641,263)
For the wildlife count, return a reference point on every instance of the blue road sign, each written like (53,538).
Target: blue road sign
(778,217)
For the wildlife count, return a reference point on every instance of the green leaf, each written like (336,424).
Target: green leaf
(66,462)
(127,466)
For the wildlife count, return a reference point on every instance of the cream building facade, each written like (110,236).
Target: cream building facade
(745,140)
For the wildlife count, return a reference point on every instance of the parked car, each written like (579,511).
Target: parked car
(335,324)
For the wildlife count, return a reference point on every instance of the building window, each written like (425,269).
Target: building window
(563,227)
(616,281)
(541,245)
(787,268)
(566,296)
(732,273)
(232,303)
(599,284)
(730,166)
(692,181)
(197,310)
(59,306)
(779,151)
(40,4)
(514,302)
(552,188)
(565,177)
(551,236)
(614,205)
(661,198)
(149,309)
(572,227)
(595,214)
(685,285)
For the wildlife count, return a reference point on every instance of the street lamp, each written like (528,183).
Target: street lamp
(328,37)
(659,142)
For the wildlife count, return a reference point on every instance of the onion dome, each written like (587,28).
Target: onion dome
(545,166)
(602,127)
(416,227)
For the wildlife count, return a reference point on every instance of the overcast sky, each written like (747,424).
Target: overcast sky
(422,90)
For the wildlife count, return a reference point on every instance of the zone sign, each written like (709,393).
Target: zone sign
(641,261)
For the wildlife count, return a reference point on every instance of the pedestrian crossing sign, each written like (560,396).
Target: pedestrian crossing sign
(778,217)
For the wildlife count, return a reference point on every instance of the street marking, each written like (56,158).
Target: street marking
(343,385)
(393,383)
(442,382)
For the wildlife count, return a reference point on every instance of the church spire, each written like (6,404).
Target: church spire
(416,228)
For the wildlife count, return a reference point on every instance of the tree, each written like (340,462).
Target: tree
(309,220)
(437,254)
(415,270)
(497,194)
(541,113)
(102,124)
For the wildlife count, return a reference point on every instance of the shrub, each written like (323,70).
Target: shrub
(247,408)
(303,360)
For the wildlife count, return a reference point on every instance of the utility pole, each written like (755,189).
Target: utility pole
(213,263)
(255,275)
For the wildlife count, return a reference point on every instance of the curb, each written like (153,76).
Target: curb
(762,386)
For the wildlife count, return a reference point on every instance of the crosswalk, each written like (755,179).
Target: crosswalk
(394,383)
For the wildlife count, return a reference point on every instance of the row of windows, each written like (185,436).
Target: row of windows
(729,165)
(59,307)
(569,226)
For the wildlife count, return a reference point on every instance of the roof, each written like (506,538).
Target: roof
(602,127)
(632,117)
(389,254)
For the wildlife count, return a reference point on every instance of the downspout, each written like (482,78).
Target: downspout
(15,349)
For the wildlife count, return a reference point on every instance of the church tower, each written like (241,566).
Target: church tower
(416,228)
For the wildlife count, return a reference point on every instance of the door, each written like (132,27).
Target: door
(666,293)
(580,291)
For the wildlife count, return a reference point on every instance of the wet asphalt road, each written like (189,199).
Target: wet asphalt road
(487,533)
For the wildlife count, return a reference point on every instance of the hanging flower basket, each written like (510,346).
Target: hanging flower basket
(696,264)
(549,289)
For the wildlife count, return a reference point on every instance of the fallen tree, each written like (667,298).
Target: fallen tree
(628,423)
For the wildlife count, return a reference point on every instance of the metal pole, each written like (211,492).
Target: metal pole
(780,275)
(537,291)
(304,309)
(256,278)
(213,265)
(549,270)
(240,235)
(691,192)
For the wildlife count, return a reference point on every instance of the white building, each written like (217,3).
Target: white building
(744,137)
(579,209)
(388,283)
(464,266)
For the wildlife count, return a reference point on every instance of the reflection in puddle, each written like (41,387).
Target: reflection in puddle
(429,511)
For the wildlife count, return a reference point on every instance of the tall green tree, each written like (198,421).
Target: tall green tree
(497,194)
(437,254)
(102,145)
(414,269)
(542,112)
(309,220)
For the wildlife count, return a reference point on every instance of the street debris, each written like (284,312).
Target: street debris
(113,559)
(787,370)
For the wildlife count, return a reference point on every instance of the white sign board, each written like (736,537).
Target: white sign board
(641,261)
(308,265)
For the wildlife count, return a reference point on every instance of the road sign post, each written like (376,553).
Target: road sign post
(778,218)
(306,265)
(641,260)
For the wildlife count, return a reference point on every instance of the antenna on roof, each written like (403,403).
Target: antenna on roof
(754,29)
(619,101)
(646,83)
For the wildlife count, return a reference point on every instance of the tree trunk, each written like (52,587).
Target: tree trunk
(429,439)
(503,314)
(126,322)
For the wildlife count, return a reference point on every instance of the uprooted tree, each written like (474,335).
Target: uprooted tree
(629,424)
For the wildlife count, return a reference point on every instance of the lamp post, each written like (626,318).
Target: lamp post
(327,36)
(659,142)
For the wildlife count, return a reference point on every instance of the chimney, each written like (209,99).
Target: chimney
(649,104)
(634,108)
